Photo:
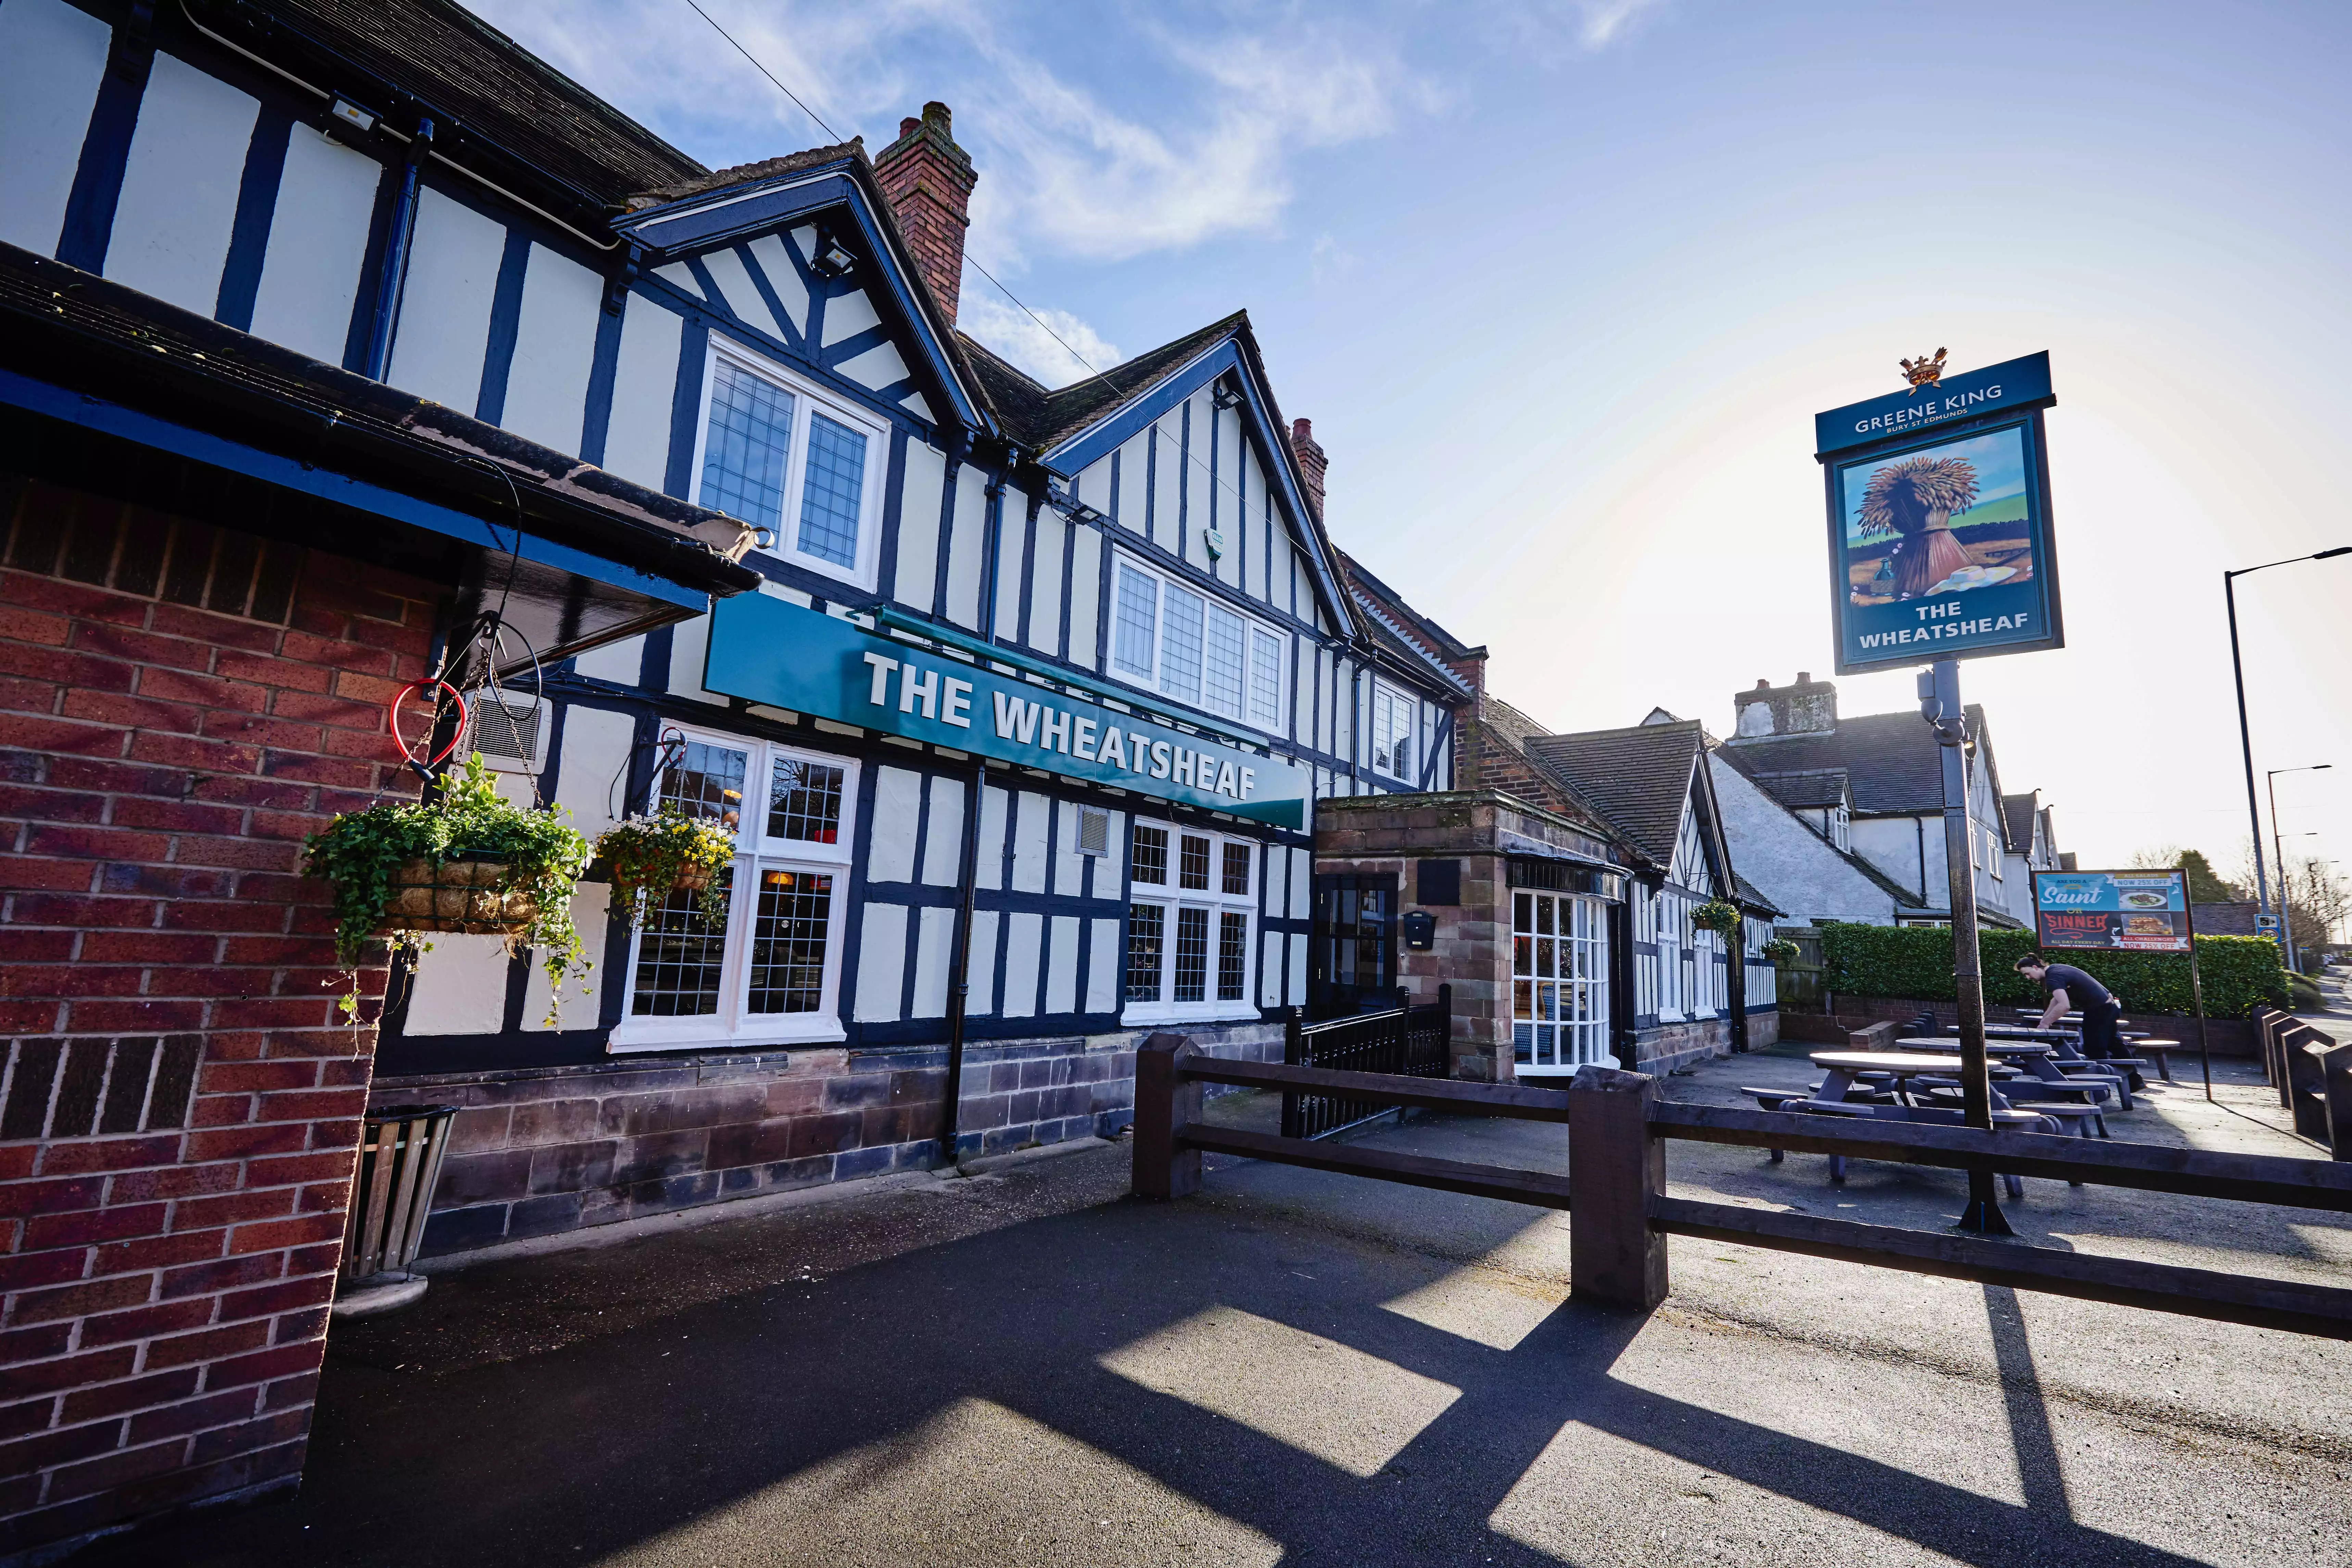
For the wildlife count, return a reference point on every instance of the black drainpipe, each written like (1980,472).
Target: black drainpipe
(395,271)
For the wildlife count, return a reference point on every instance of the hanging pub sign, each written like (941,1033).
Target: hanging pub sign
(769,651)
(2122,912)
(1939,518)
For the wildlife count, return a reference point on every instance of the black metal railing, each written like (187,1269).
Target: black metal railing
(1405,1040)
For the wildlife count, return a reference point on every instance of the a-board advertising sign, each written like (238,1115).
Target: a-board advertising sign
(767,650)
(1940,526)
(2120,911)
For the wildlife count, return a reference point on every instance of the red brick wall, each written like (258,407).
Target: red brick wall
(178,706)
(928,181)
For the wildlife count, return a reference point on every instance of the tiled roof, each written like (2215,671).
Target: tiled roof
(1750,894)
(747,174)
(1421,627)
(1638,777)
(2017,813)
(1039,418)
(1395,626)
(1807,788)
(1890,759)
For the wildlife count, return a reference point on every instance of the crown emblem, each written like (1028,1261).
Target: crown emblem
(1923,370)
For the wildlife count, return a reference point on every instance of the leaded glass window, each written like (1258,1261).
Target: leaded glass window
(744,456)
(834,490)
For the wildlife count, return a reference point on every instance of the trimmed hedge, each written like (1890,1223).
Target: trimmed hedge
(2240,973)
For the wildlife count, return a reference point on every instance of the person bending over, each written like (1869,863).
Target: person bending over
(2069,988)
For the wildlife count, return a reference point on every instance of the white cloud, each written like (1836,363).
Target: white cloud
(1045,355)
(1605,21)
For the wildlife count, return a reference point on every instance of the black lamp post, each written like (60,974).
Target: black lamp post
(2245,737)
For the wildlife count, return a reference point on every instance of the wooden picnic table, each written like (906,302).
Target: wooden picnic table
(1842,1067)
(1993,1047)
(2036,1058)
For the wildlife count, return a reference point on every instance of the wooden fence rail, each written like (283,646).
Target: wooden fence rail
(1617,1132)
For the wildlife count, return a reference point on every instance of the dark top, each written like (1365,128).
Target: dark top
(2081,989)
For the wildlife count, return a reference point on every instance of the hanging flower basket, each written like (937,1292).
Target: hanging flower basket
(468,862)
(1782,951)
(1716,915)
(647,859)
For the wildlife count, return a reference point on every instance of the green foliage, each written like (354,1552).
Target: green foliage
(648,855)
(1717,916)
(359,851)
(2205,884)
(2239,972)
(1782,951)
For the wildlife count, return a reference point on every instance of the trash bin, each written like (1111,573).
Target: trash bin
(400,1161)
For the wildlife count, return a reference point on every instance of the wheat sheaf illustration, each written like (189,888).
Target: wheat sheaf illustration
(1915,501)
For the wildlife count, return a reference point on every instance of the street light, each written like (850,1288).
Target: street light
(2278,845)
(2245,736)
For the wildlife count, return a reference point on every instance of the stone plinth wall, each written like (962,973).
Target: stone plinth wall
(543,1150)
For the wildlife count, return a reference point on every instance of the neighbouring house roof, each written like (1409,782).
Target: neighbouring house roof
(1749,896)
(1891,760)
(1440,641)
(1806,788)
(1639,777)
(2017,814)
(1039,418)
(1397,629)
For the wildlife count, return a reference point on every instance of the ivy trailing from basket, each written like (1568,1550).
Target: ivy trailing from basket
(1781,951)
(362,853)
(650,857)
(1716,915)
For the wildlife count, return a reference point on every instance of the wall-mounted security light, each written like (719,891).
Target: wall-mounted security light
(1074,509)
(353,115)
(831,260)
(1227,395)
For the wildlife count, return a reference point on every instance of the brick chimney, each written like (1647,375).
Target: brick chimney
(1804,707)
(929,180)
(1312,462)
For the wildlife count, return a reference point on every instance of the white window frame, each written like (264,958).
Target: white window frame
(808,400)
(732,1026)
(1169,897)
(1577,1041)
(1391,700)
(1252,625)
(1673,922)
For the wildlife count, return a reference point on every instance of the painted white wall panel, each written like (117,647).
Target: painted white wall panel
(645,386)
(1085,594)
(621,661)
(1030,825)
(1133,458)
(881,962)
(984,962)
(1103,968)
(1046,581)
(1297,971)
(179,190)
(596,745)
(1106,867)
(689,647)
(680,276)
(1023,934)
(1301,890)
(1093,484)
(1167,497)
(1269,972)
(918,525)
(964,546)
(444,312)
(790,292)
(460,988)
(1273,892)
(1302,690)
(915,402)
(577,1008)
(555,348)
(847,316)
(1062,967)
(934,945)
(1012,563)
(990,861)
(52,57)
(897,801)
(943,839)
(743,295)
(878,367)
(317,243)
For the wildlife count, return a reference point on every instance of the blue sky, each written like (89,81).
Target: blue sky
(1562,284)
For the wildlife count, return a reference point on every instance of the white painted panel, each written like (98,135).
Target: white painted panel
(555,348)
(943,841)
(1325,720)
(1011,561)
(897,800)
(934,945)
(1022,935)
(1085,594)
(52,57)
(445,313)
(982,998)
(1132,458)
(1166,502)
(804,238)
(1030,827)
(847,316)
(595,750)
(622,661)
(645,386)
(1302,691)
(1062,967)
(743,295)
(689,649)
(915,402)
(991,863)
(1273,885)
(1254,524)
(578,1005)
(881,962)
(878,367)
(790,292)
(460,988)
(680,276)
(317,243)
(1045,582)
(1301,889)
(964,546)
(1092,484)
(1297,971)
(179,190)
(1108,867)
(1103,968)
(1070,865)
(918,525)
(1269,972)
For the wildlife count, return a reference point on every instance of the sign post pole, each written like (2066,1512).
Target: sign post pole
(1943,709)
(2197,995)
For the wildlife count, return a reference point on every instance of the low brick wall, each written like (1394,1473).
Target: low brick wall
(543,1150)
(1672,1045)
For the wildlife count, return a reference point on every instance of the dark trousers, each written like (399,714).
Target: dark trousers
(2099,1039)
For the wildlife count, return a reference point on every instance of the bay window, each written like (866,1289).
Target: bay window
(767,969)
(1559,982)
(1174,640)
(777,454)
(1192,908)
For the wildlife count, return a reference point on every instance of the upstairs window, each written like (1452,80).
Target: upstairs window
(1392,715)
(1184,645)
(775,454)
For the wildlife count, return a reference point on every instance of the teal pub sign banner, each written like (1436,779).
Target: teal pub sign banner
(766,649)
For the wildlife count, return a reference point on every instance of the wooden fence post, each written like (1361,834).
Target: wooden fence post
(1165,1103)
(1615,1259)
